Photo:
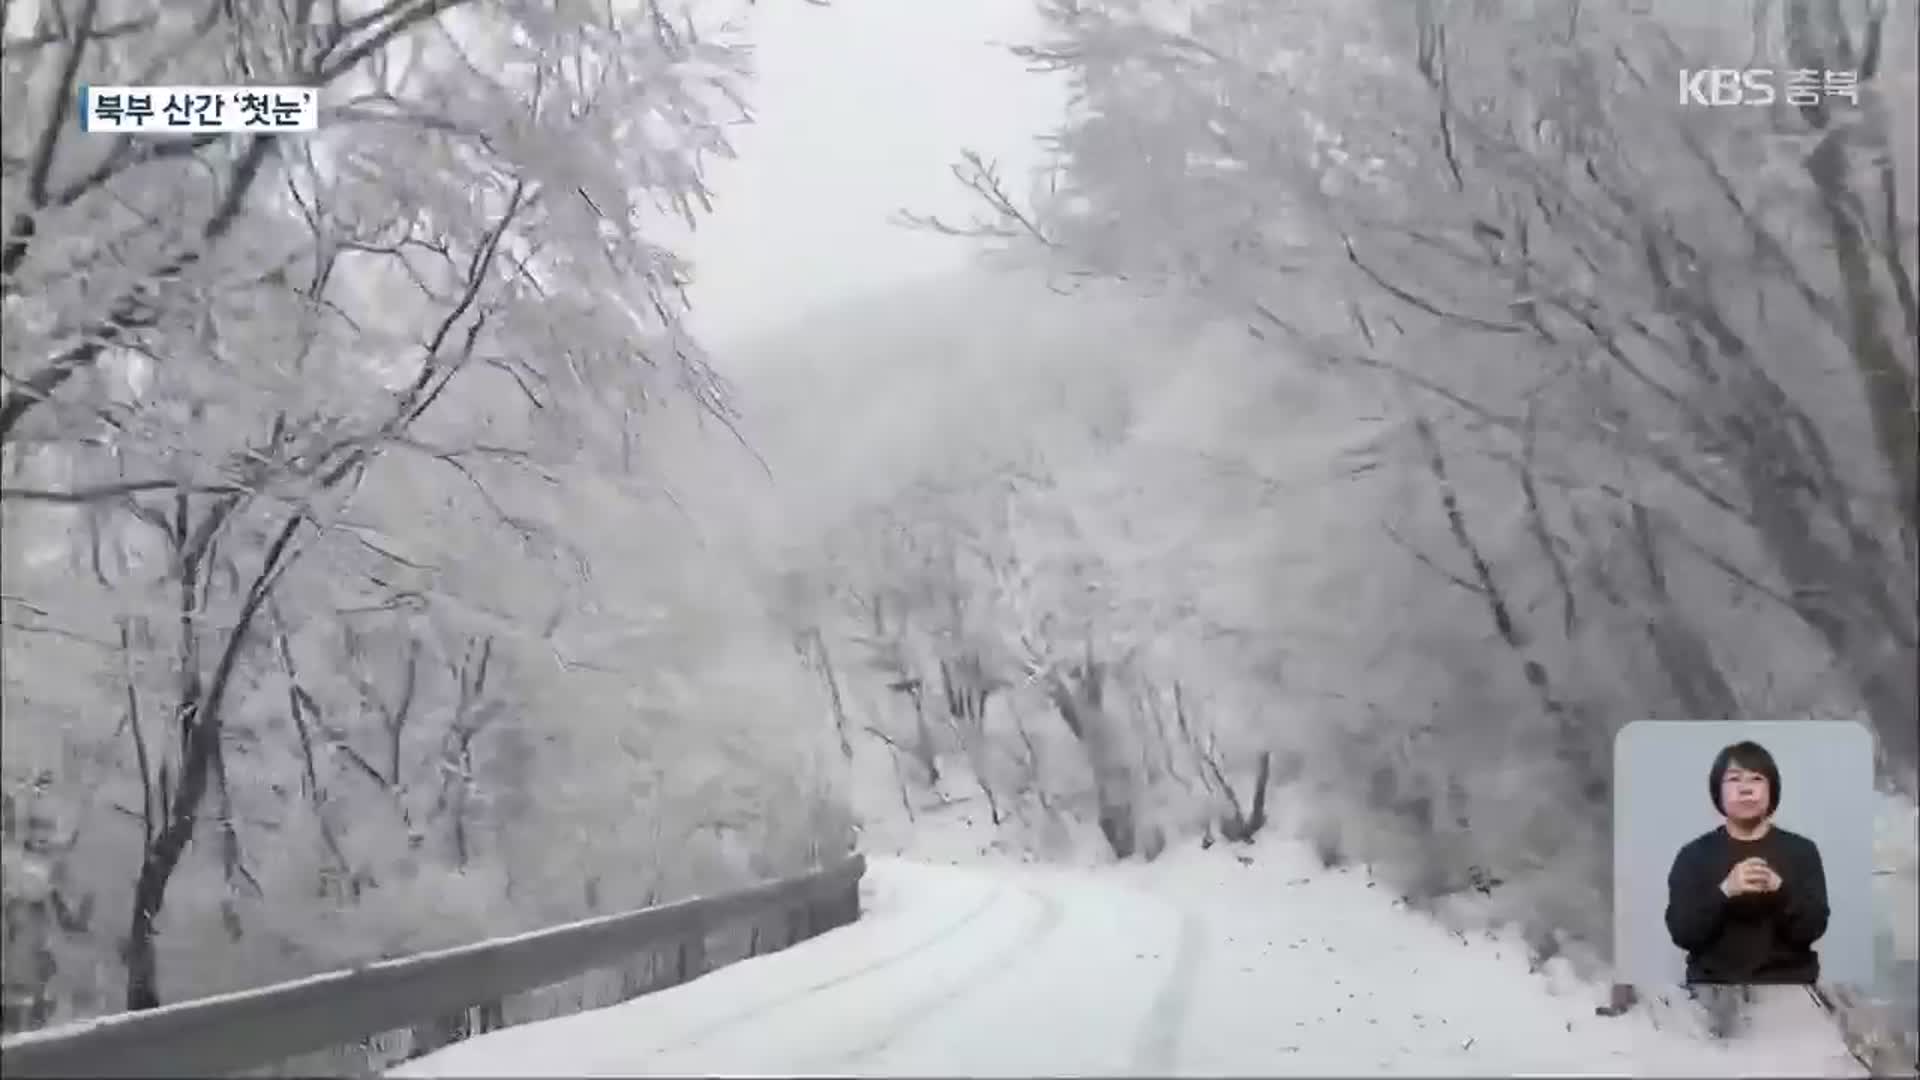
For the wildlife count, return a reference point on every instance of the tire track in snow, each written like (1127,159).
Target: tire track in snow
(1156,1046)
(996,965)
(970,916)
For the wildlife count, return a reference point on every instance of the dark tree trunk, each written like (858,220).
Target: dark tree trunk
(1080,702)
(200,723)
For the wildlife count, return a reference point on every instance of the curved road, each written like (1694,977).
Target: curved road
(1195,965)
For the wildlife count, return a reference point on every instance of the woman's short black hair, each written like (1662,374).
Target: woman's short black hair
(1753,757)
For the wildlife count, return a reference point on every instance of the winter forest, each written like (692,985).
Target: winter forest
(1382,402)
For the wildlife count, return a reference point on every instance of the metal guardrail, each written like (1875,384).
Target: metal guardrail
(253,1028)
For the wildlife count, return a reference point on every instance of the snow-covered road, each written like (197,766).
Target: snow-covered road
(1196,964)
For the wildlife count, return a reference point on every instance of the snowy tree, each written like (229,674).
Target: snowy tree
(1048,610)
(327,463)
(1643,374)
(1471,185)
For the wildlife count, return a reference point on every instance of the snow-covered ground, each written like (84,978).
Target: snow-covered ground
(1198,963)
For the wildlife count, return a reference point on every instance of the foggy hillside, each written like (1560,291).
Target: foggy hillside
(852,404)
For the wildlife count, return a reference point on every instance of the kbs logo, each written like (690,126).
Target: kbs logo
(1799,88)
(1727,86)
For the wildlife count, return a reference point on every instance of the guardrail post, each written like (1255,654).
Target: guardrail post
(440,1031)
(693,957)
(632,982)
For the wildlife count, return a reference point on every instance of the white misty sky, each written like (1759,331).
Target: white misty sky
(862,107)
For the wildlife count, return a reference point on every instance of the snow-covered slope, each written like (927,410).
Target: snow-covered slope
(1243,962)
